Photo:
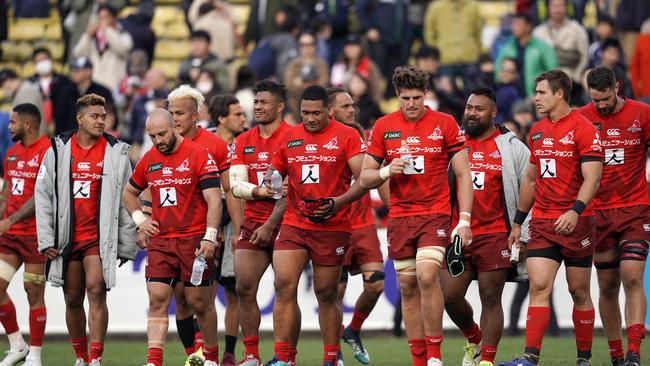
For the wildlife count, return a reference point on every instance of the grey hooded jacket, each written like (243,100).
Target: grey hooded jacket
(55,209)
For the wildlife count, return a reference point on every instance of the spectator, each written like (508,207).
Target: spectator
(130,88)
(630,15)
(78,14)
(81,73)
(202,59)
(244,92)
(509,90)
(353,60)
(5,138)
(441,95)
(414,24)
(605,29)
(138,25)
(523,113)
(639,70)
(454,27)
(322,29)
(568,37)
(612,57)
(58,92)
(384,25)
(533,55)
(21,91)
(216,18)
(107,46)
(206,84)
(31,8)
(368,109)
(481,74)
(305,70)
(261,21)
(155,85)
(336,15)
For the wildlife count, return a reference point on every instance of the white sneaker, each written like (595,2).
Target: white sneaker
(210,363)
(14,356)
(80,362)
(250,360)
(32,361)
(95,362)
(471,354)
(434,362)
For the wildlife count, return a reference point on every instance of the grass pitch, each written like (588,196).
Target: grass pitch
(384,350)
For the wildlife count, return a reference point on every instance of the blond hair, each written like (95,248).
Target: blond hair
(184,92)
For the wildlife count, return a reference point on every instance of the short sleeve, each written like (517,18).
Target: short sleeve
(279,161)
(588,140)
(531,159)
(222,156)
(237,152)
(376,146)
(139,177)
(645,118)
(354,145)
(208,171)
(454,137)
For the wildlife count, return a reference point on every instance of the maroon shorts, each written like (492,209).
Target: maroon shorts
(25,247)
(248,227)
(407,234)
(172,258)
(617,225)
(488,252)
(326,248)
(364,248)
(576,249)
(82,249)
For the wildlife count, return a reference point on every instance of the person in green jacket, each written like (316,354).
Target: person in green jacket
(533,55)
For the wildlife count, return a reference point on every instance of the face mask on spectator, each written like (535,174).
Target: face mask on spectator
(44,67)
(204,86)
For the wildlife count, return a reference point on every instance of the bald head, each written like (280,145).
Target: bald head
(160,128)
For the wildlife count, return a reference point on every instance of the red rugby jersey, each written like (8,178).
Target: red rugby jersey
(176,182)
(485,163)
(21,168)
(558,149)
(255,152)
(86,167)
(432,140)
(217,147)
(625,137)
(317,167)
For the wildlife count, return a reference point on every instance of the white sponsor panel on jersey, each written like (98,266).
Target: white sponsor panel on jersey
(310,174)
(547,168)
(614,156)
(168,197)
(17,186)
(478,180)
(81,189)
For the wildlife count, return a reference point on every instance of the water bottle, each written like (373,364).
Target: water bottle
(407,156)
(276,185)
(197,270)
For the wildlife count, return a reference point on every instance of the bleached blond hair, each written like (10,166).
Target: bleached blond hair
(185,91)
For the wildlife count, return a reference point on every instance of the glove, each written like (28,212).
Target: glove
(455,258)
(308,207)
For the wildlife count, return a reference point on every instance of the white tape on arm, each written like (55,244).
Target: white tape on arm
(461,223)
(239,184)
(211,235)
(384,173)
(138,217)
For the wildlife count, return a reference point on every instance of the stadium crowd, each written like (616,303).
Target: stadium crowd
(493,156)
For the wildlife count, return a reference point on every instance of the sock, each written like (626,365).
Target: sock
(211,353)
(80,346)
(635,333)
(231,342)
(583,323)
(433,346)
(282,351)
(198,340)
(8,320)
(357,320)
(418,350)
(536,323)
(292,354)
(185,329)
(330,353)
(37,320)
(251,344)
(155,356)
(616,349)
(96,350)
(473,334)
(488,353)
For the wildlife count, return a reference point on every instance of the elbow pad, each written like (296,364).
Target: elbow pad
(239,184)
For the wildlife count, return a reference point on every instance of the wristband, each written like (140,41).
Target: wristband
(138,217)
(468,214)
(211,235)
(578,207)
(520,217)
(384,173)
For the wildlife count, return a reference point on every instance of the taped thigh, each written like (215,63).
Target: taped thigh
(430,254)
(7,271)
(634,250)
(37,279)
(405,266)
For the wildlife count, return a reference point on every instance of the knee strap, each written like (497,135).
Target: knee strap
(7,271)
(430,255)
(376,276)
(405,266)
(634,250)
(157,331)
(33,277)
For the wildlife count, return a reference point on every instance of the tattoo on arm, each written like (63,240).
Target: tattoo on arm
(24,212)
(3,197)
(278,212)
